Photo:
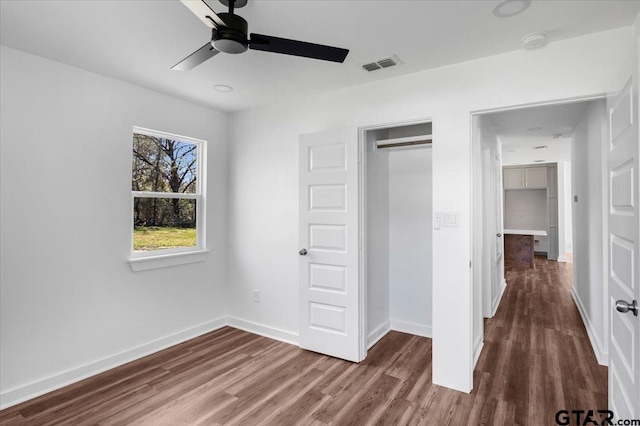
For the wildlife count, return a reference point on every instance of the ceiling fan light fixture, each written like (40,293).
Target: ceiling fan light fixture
(230,34)
(233,37)
(510,8)
(229,45)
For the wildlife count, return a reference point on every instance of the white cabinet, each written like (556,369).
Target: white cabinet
(535,177)
(513,178)
(525,177)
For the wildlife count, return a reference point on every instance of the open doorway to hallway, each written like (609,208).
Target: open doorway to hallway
(540,202)
(554,193)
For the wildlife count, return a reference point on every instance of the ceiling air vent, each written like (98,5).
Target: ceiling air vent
(386,63)
(382,63)
(371,67)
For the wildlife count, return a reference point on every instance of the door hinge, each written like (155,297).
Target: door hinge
(469,264)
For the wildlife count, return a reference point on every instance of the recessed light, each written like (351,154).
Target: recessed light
(512,150)
(541,147)
(510,8)
(223,88)
(538,161)
(534,41)
(557,136)
(534,129)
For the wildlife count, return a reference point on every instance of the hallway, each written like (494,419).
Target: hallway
(537,357)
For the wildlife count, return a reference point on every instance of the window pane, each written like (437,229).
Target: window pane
(164,165)
(163,223)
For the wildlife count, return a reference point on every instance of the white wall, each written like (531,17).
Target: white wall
(70,304)
(377,239)
(589,246)
(263,209)
(410,240)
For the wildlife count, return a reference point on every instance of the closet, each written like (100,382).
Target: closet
(398,210)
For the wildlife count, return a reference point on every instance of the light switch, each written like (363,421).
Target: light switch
(450,219)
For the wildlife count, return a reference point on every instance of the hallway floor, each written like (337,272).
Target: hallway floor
(536,360)
(537,357)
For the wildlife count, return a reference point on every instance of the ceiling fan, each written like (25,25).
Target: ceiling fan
(229,34)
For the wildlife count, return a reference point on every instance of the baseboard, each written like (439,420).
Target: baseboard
(596,345)
(51,383)
(477,350)
(498,298)
(264,330)
(411,328)
(378,334)
(562,259)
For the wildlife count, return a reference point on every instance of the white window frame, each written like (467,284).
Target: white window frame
(144,260)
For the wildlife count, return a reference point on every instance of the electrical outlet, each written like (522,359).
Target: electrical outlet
(256,296)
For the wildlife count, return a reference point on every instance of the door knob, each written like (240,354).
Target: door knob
(303,252)
(498,235)
(624,307)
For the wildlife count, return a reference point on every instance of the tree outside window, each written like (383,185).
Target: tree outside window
(167,192)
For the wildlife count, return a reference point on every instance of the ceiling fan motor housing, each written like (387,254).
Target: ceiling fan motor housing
(233,37)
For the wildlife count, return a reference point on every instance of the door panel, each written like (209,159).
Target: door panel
(624,220)
(328,231)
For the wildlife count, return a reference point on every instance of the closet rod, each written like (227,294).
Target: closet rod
(393,145)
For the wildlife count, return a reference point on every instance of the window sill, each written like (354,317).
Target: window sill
(166,260)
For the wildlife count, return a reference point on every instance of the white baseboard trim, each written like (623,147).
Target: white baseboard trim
(477,350)
(378,334)
(57,381)
(601,355)
(498,298)
(264,330)
(562,259)
(411,328)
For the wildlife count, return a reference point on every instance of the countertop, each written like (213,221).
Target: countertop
(534,232)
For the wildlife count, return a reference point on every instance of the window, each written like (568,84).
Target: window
(167,196)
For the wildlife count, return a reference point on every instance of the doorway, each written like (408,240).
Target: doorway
(553,192)
(553,188)
(397,229)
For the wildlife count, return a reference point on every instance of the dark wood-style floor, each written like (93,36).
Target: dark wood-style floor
(536,360)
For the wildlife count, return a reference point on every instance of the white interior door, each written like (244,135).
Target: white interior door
(623,270)
(329,244)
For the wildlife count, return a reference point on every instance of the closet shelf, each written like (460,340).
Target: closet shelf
(408,141)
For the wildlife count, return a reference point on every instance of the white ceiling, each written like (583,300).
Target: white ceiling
(138,41)
(518,131)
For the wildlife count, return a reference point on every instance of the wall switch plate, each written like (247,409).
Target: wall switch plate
(450,219)
(256,296)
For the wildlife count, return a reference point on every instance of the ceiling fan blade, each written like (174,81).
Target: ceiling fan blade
(196,58)
(204,13)
(297,48)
